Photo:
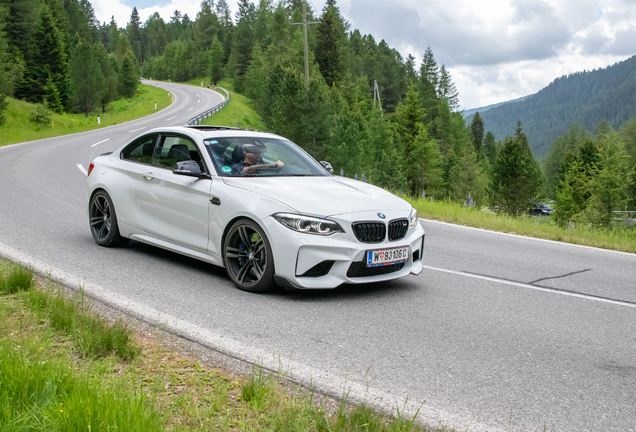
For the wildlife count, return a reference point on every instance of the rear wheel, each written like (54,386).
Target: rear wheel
(248,257)
(103,220)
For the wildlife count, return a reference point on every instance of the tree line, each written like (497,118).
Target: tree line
(593,175)
(412,140)
(51,53)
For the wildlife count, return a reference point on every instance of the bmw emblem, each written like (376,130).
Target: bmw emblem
(381,216)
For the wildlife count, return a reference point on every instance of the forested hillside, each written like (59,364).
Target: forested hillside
(51,53)
(582,98)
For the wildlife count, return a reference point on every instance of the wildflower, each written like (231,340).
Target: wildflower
(61,403)
(61,410)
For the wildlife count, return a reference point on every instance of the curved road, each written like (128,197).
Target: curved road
(499,333)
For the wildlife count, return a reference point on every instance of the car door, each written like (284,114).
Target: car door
(136,160)
(175,207)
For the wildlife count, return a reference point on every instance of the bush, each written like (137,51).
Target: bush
(41,115)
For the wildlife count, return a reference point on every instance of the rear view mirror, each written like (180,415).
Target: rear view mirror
(189,168)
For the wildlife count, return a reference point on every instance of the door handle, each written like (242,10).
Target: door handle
(148,175)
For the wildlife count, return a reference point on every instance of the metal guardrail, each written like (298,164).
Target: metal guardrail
(197,120)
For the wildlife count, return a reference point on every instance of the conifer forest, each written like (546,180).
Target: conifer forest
(408,137)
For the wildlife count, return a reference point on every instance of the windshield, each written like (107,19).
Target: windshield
(260,157)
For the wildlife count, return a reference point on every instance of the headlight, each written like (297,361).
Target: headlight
(308,224)
(413,218)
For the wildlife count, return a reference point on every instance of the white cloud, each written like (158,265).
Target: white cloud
(496,50)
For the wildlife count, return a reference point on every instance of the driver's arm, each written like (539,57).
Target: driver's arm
(254,168)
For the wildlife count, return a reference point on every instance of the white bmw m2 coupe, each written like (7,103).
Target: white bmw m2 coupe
(254,203)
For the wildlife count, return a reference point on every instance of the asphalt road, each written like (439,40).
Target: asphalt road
(499,332)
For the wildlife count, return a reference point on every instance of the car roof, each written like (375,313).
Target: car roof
(204,131)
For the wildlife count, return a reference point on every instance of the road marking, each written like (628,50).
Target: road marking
(197,94)
(82,169)
(137,129)
(518,236)
(199,101)
(171,118)
(190,109)
(536,287)
(102,141)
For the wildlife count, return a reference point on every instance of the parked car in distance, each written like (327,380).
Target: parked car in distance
(541,209)
(254,203)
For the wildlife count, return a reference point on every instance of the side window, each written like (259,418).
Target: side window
(173,149)
(140,150)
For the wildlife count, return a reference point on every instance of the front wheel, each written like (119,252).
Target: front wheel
(103,220)
(248,257)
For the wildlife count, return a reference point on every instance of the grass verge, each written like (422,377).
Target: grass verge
(49,381)
(19,127)
(620,239)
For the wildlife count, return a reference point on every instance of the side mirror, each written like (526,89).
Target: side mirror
(326,165)
(189,168)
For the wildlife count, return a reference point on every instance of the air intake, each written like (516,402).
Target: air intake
(398,229)
(369,232)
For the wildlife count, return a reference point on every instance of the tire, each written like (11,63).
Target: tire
(103,221)
(248,257)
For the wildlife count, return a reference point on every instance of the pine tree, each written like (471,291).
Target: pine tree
(87,80)
(109,68)
(428,84)
(477,129)
(216,60)
(242,44)
(128,77)
(330,38)
(571,198)
(466,178)
(516,177)
(611,183)
(411,75)
(47,60)
(383,165)
(490,147)
(446,89)
(133,31)
(113,35)
(52,98)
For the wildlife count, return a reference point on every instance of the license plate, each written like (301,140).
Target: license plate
(387,256)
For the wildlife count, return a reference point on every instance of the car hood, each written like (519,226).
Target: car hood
(321,196)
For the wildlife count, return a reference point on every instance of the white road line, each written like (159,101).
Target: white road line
(137,129)
(197,94)
(102,141)
(82,169)
(534,287)
(171,118)
(518,236)
(199,101)
(190,109)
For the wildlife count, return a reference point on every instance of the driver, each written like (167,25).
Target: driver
(252,162)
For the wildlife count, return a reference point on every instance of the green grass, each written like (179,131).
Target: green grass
(19,127)
(238,113)
(49,382)
(620,239)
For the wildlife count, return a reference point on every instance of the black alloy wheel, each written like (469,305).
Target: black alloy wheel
(248,257)
(103,220)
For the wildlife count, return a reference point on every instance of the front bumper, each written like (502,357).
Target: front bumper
(296,254)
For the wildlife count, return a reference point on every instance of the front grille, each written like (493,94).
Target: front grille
(360,269)
(398,229)
(369,232)
(319,269)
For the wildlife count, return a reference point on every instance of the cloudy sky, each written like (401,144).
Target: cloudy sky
(496,50)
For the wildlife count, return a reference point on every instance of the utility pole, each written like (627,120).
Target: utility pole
(304,23)
(376,95)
